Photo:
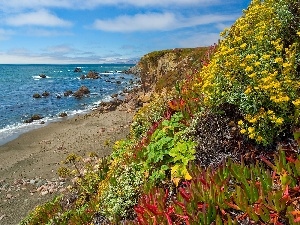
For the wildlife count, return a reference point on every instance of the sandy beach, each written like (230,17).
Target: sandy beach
(32,160)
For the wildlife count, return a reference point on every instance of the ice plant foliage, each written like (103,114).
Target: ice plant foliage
(230,194)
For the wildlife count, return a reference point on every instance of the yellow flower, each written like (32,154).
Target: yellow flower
(266,57)
(243,131)
(286,65)
(296,102)
(279,121)
(248,91)
(252,136)
(251,130)
(259,138)
(279,60)
(241,123)
(249,69)
(253,120)
(243,46)
(256,64)
(298,33)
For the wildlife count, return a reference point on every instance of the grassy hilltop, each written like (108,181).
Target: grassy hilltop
(216,142)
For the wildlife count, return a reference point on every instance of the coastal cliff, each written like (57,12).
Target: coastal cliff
(161,69)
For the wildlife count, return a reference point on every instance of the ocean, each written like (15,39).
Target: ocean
(18,84)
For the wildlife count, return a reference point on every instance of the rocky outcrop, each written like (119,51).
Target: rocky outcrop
(43,76)
(109,106)
(83,90)
(33,117)
(92,75)
(161,69)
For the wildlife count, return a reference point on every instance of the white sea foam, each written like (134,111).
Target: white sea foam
(38,77)
(11,132)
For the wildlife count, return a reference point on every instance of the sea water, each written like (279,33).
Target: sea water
(18,83)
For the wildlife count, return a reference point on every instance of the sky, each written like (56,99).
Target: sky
(108,31)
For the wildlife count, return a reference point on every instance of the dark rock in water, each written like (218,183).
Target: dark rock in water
(82,77)
(36,95)
(92,75)
(42,76)
(58,97)
(45,94)
(83,90)
(114,95)
(68,93)
(32,118)
(78,70)
(42,122)
(118,82)
(36,117)
(63,114)
(28,120)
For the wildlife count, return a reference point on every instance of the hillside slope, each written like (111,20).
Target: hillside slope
(218,140)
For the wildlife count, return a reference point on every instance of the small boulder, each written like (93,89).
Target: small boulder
(68,93)
(36,95)
(36,117)
(63,114)
(92,75)
(83,90)
(82,77)
(32,118)
(45,94)
(43,76)
(77,70)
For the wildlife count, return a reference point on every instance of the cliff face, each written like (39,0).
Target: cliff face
(161,69)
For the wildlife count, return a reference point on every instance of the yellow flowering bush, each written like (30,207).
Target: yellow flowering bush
(256,68)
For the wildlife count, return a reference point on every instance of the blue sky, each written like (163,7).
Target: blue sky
(108,31)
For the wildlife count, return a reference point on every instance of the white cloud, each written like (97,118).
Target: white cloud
(35,4)
(148,3)
(38,18)
(60,49)
(138,22)
(80,4)
(198,39)
(156,21)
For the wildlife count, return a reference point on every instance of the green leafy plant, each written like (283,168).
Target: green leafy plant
(167,150)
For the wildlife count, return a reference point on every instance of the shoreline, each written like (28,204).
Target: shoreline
(22,127)
(34,157)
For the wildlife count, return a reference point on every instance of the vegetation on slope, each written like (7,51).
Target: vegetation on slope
(221,148)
